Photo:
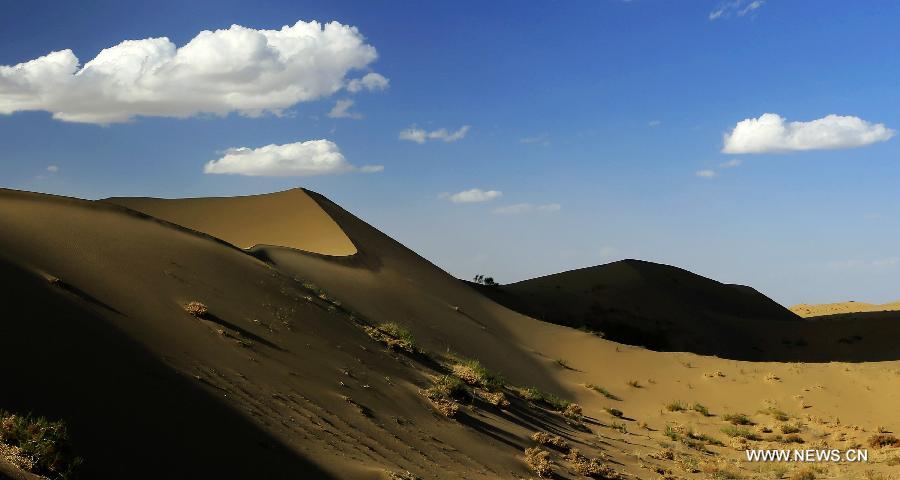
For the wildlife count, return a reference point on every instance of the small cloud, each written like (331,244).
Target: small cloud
(654,123)
(737,8)
(733,163)
(341,108)
(770,133)
(420,136)
(53,169)
(371,82)
(706,173)
(542,140)
(474,195)
(520,208)
(300,159)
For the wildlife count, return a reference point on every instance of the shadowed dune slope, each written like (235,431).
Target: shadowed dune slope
(290,219)
(644,303)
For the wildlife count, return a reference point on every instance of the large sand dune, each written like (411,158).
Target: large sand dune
(282,377)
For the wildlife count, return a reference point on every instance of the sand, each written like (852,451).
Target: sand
(281,380)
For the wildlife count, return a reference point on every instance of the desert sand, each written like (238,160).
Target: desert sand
(299,366)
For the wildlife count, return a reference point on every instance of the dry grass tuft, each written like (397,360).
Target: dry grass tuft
(538,460)
(589,467)
(37,445)
(549,440)
(737,419)
(497,399)
(394,335)
(443,394)
(196,309)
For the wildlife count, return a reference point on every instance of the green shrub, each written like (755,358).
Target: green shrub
(43,444)
(602,391)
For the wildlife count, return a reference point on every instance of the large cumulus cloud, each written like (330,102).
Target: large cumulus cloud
(240,70)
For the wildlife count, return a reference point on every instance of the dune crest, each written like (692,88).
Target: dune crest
(286,219)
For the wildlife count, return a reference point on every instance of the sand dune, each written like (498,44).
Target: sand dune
(288,219)
(807,310)
(288,376)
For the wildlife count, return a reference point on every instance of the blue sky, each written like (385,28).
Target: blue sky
(601,122)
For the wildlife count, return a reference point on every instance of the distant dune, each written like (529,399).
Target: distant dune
(807,310)
(328,350)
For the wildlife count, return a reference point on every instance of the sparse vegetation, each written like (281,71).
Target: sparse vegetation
(474,373)
(882,440)
(535,395)
(563,363)
(196,309)
(555,441)
(589,467)
(38,445)
(737,419)
(736,431)
(633,384)
(602,391)
(777,414)
(394,335)
(444,393)
(788,428)
(573,412)
(805,473)
(538,460)
(702,410)
(675,406)
(614,412)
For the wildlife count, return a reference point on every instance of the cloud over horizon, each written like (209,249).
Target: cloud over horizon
(418,135)
(238,69)
(342,110)
(300,159)
(770,133)
(474,195)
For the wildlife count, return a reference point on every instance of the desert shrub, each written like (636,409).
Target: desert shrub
(394,335)
(573,411)
(790,428)
(675,406)
(498,399)
(538,460)
(882,440)
(614,412)
(737,419)
(633,383)
(39,445)
(792,438)
(672,432)
(702,410)
(777,414)
(535,395)
(474,373)
(549,440)
(736,431)
(589,467)
(602,391)
(196,309)
(444,393)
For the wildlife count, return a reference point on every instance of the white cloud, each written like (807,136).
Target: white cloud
(735,7)
(520,208)
(420,136)
(240,69)
(300,159)
(654,123)
(341,108)
(733,163)
(706,173)
(53,169)
(771,133)
(473,195)
(371,82)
